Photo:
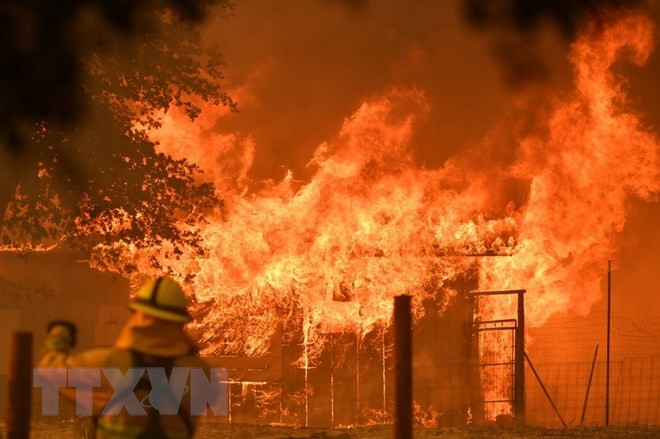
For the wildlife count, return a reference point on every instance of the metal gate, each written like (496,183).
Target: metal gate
(496,350)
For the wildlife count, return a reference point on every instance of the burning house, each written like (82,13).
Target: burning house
(322,259)
(293,289)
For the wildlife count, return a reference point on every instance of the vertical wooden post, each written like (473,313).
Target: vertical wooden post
(19,388)
(402,368)
(519,363)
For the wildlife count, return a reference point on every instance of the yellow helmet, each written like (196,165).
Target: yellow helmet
(162,298)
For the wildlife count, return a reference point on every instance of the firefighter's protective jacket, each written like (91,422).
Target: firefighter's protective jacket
(152,337)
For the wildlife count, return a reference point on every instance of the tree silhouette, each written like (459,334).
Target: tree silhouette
(84,81)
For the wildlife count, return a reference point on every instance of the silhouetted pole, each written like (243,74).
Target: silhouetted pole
(19,385)
(545,391)
(607,362)
(519,362)
(586,396)
(402,368)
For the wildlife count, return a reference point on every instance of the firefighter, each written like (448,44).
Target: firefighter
(153,337)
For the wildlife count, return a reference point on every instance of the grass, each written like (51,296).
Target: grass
(67,429)
(385,431)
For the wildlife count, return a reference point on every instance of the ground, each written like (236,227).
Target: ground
(66,429)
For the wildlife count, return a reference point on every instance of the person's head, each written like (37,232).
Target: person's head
(162,299)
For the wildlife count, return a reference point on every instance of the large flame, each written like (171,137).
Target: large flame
(366,227)
(331,252)
(596,156)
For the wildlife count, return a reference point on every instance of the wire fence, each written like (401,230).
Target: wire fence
(451,391)
(563,353)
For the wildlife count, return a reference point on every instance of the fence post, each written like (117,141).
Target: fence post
(19,386)
(402,368)
(519,363)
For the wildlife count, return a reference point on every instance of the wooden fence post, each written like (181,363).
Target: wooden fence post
(19,386)
(402,368)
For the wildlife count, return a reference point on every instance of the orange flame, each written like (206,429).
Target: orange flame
(361,231)
(596,156)
(332,252)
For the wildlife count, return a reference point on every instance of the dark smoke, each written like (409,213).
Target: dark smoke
(514,26)
(41,55)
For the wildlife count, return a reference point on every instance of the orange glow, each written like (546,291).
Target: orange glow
(596,156)
(370,224)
